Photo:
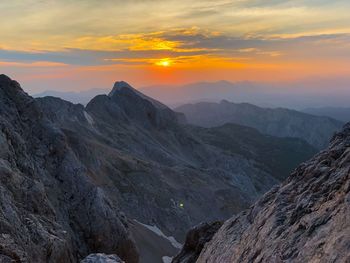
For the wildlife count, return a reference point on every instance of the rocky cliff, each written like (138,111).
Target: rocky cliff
(51,210)
(305,219)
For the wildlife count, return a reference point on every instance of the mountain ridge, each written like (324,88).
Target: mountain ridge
(340,113)
(278,122)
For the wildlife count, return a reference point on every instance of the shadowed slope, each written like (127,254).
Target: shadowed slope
(306,219)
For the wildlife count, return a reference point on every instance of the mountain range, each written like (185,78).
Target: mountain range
(81,97)
(122,175)
(295,95)
(280,122)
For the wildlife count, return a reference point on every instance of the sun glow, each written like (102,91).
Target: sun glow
(165,62)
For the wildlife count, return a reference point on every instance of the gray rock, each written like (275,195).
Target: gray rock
(196,238)
(51,210)
(305,219)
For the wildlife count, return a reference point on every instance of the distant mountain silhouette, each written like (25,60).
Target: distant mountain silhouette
(277,122)
(261,94)
(82,97)
(297,95)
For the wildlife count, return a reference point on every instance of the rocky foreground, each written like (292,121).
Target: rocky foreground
(305,219)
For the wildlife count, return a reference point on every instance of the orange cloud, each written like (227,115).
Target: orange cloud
(37,64)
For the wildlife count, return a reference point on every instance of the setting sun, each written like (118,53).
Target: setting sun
(164,62)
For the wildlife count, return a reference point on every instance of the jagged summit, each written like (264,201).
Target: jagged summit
(119,85)
(7,82)
(13,99)
(123,87)
(9,85)
(4,78)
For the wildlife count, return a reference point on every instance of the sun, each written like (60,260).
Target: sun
(165,62)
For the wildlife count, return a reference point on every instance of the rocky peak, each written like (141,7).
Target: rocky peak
(4,78)
(126,103)
(122,88)
(118,86)
(10,88)
(14,102)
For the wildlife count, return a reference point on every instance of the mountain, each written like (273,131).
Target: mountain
(120,173)
(279,122)
(127,134)
(305,219)
(51,208)
(342,114)
(295,95)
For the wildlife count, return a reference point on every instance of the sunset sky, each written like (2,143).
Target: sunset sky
(82,44)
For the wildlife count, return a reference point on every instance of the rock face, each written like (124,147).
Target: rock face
(72,177)
(305,219)
(316,130)
(196,238)
(51,210)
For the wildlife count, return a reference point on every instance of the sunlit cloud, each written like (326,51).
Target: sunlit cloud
(37,64)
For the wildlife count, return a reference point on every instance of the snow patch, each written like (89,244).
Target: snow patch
(89,119)
(167,259)
(159,232)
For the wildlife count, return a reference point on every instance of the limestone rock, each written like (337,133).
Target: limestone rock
(51,210)
(305,219)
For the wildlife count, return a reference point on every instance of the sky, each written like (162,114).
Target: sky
(83,44)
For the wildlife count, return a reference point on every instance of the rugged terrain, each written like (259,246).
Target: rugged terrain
(161,172)
(51,209)
(305,219)
(280,122)
(74,179)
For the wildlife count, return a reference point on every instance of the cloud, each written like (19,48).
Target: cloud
(37,64)
(179,44)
